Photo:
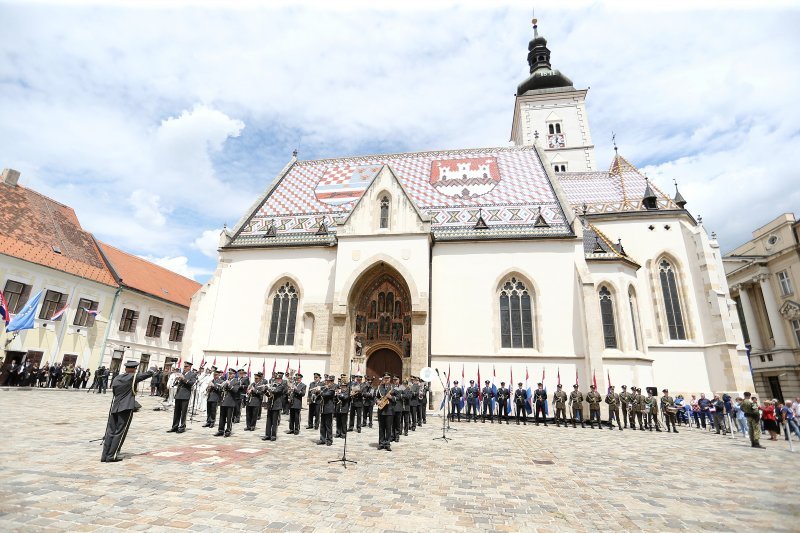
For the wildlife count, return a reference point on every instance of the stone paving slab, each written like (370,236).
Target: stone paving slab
(488,478)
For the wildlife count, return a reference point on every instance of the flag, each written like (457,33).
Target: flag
(60,312)
(25,318)
(178,364)
(226,366)
(203,361)
(264,367)
(298,367)
(609,380)
(576,375)
(511,386)
(558,375)
(594,379)
(5,314)
(494,389)
(214,362)
(92,312)
(287,367)
(249,362)
(237,363)
(528,404)
(480,384)
(544,388)
(462,385)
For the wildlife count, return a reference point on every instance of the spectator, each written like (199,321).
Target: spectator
(768,418)
(789,418)
(705,410)
(696,411)
(739,416)
(719,414)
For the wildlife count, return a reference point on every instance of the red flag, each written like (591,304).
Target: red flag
(214,364)
(480,393)
(298,366)
(237,363)
(287,366)
(249,362)
(594,379)
(542,376)
(526,376)
(226,367)
(203,361)
(274,364)
(511,380)
(264,366)
(448,374)
(462,375)
(576,376)
(558,375)
(609,379)
(178,364)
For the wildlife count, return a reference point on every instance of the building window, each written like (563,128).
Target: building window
(16,295)
(154,324)
(53,301)
(796,328)
(516,317)
(672,304)
(632,305)
(284,313)
(385,212)
(785,282)
(775,387)
(607,314)
(144,362)
(176,332)
(82,317)
(128,321)
(554,128)
(560,168)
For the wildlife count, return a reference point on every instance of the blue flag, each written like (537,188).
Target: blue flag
(24,319)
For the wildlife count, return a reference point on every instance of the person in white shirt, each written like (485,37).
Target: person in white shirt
(171,387)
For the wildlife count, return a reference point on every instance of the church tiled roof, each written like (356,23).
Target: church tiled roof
(598,247)
(620,189)
(508,187)
(40,230)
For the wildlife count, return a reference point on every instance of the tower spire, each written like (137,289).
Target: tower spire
(543,76)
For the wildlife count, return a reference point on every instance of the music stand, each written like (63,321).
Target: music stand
(444,411)
(344,460)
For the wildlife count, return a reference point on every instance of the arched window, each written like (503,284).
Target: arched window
(632,305)
(516,318)
(558,127)
(384,212)
(284,314)
(607,314)
(551,128)
(672,304)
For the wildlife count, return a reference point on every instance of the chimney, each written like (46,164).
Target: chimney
(10,176)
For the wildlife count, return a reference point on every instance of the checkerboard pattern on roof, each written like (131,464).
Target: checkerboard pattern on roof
(524,188)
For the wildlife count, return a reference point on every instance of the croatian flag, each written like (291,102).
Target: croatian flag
(494,388)
(512,388)
(544,388)
(60,312)
(92,312)
(528,403)
(226,367)
(264,366)
(463,389)
(480,386)
(4,313)
(594,379)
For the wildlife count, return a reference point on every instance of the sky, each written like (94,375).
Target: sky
(160,122)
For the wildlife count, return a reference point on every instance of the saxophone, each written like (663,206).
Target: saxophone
(384,400)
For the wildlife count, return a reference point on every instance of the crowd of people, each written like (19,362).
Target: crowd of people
(55,375)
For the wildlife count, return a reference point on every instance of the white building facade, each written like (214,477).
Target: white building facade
(482,261)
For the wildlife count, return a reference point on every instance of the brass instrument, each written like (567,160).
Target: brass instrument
(384,400)
(315,394)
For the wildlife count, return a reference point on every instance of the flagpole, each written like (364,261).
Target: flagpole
(62,333)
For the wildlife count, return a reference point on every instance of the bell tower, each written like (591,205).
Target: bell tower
(549,110)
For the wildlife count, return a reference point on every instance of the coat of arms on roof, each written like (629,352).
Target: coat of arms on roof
(344,184)
(465,178)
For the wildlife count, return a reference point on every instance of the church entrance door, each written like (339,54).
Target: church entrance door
(383,360)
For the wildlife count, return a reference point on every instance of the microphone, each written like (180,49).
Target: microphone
(437,371)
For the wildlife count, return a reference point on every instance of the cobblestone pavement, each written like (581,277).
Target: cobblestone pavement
(514,478)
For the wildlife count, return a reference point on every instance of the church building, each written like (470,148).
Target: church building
(511,263)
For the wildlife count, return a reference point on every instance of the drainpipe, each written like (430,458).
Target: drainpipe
(430,307)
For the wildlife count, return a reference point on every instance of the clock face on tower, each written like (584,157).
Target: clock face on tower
(556,140)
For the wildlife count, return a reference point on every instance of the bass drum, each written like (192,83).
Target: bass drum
(427,374)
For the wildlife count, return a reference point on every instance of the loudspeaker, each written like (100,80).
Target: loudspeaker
(652,390)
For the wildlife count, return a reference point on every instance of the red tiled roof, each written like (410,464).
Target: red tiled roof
(149,278)
(33,227)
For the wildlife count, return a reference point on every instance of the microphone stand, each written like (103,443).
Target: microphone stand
(444,410)
(344,460)
(194,400)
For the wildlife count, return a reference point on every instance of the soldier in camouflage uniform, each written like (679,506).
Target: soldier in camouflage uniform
(560,401)
(636,408)
(625,400)
(750,410)
(670,416)
(652,412)
(612,399)
(576,402)
(594,399)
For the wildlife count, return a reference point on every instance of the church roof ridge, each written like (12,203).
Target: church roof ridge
(424,153)
(610,249)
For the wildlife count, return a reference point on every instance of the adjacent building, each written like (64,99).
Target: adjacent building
(764,278)
(92,293)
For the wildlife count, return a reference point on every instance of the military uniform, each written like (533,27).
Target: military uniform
(212,400)
(612,399)
(295,401)
(244,385)
(385,415)
(669,416)
(121,412)
(625,400)
(593,398)
(414,403)
(276,394)
(423,404)
(636,409)
(560,403)
(488,395)
(327,401)
(182,396)
(253,400)
(397,425)
(472,401)
(230,397)
(652,413)
(314,402)
(342,408)
(520,398)
(576,402)
(456,393)
(503,396)
(406,397)
(356,405)
(539,399)
(751,411)
(368,394)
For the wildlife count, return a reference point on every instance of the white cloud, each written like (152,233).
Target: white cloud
(102,103)
(179,265)
(208,243)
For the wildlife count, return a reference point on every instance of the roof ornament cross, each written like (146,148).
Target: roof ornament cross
(614,141)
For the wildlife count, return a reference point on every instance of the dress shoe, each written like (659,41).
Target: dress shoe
(674,430)
(181,430)
(265,438)
(227,434)
(320,442)
(296,431)
(329,444)
(388,448)
(118,459)
(173,430)
(289,432)
(274,438)
(218,434)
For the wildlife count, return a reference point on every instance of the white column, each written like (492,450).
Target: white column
(775,320)
(750,320)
